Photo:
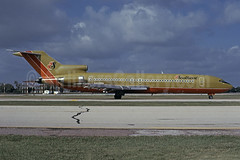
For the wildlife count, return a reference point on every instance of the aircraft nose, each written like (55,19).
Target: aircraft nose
(230,87)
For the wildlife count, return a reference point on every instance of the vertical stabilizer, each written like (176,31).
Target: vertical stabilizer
(45,65)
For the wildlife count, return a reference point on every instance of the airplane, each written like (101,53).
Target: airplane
(76,77)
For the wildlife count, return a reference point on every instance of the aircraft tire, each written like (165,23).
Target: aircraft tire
(210,96)
(118,96)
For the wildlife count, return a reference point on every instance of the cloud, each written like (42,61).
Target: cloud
(232,13)
(171,3)
(104,34)
(78,26)
(234,51)
(29,21)
(153,24)
(131,37)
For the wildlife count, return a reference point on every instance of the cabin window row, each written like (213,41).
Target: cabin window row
(141,80)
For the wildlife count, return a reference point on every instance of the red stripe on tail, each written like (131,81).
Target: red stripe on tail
(40,68)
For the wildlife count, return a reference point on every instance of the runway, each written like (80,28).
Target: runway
(121,117)
(117,100)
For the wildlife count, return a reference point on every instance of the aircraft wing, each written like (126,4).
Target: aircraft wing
(108,87)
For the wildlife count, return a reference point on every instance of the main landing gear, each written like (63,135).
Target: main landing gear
(119,94)
(210,96)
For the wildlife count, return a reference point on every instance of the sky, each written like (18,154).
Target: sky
(126,36)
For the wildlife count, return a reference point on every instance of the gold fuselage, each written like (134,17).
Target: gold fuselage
(175,82)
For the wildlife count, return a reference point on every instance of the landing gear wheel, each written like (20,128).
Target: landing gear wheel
(118,94)
(210,96)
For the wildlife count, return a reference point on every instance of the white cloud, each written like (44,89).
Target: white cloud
(170,3)
(232,13)
(134,24)
(80,25)
(153,24)
(234,51)
(132,36)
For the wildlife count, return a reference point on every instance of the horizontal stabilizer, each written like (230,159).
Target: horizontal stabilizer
(19,53)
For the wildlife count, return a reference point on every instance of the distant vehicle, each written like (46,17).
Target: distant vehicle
(55,92)
(46,92)
(76,77)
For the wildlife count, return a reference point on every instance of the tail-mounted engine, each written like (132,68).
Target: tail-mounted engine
(72,80)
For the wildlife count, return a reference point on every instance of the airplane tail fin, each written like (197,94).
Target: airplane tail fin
(47,67)
(44,64)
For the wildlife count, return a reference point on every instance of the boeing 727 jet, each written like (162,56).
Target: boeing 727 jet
(76,77)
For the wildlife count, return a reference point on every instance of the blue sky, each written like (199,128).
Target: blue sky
(147,36)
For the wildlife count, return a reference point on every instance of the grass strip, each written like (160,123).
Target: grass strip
(127,148)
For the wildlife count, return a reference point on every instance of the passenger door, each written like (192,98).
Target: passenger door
(201,82)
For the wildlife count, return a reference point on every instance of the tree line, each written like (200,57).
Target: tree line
(18,88)
(237,89)
(10,88)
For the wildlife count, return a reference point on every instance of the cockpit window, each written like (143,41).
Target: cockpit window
(222,81)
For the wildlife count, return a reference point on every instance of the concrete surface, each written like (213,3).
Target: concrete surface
(121,117)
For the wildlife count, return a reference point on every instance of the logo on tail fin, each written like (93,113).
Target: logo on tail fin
(51,65)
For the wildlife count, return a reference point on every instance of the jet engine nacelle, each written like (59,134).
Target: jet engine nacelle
(71,80)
